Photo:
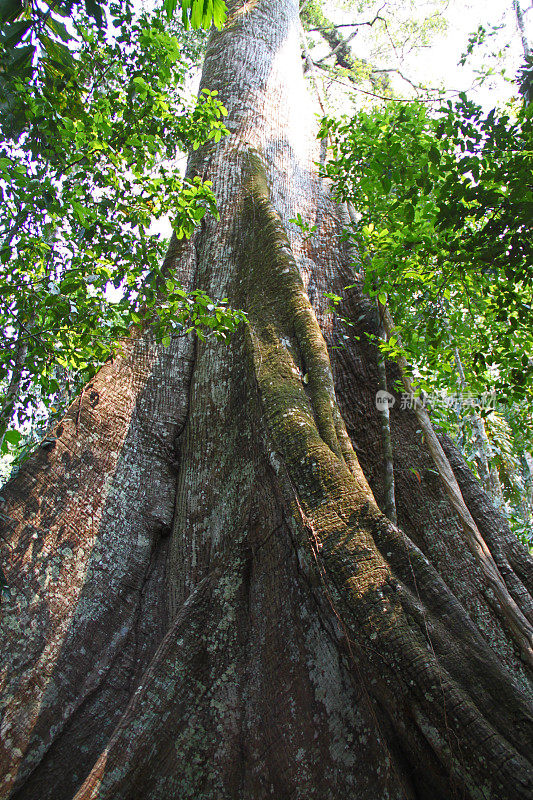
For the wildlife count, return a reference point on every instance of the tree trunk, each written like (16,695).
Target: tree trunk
(207,601)
(13,385)
(519,14)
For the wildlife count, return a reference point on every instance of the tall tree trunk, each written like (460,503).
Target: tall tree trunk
(487,471)
(519,15)
(208,601)
(9,399)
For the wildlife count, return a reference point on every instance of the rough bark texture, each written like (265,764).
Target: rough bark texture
(209,602)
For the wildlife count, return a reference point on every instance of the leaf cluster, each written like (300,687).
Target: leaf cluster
(88,160)
(444,208)
(198,13)
(443,225)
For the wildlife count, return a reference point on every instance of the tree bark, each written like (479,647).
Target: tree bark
(208,601)
(389,505)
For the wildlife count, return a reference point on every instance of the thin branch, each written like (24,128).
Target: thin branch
(402,76)
(377,18)
(354,88)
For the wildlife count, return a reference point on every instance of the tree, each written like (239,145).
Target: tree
(207,600)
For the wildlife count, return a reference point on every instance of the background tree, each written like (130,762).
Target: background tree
(392,32)
(208,601)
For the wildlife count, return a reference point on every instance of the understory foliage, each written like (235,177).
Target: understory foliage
(443,206)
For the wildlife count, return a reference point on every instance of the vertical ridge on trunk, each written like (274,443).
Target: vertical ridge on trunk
(88,519)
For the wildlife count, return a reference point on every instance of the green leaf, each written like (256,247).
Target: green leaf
(434,155)
(95,10)
(409,213)
(170,7)
(198,13)
(141,87)
(14,33)
(219,18)
(13,437)
(21,58)
(57,27)
(11,440)
(10,10)
(58,52)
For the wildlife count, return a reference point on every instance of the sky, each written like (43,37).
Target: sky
(436,63)
(463,19)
